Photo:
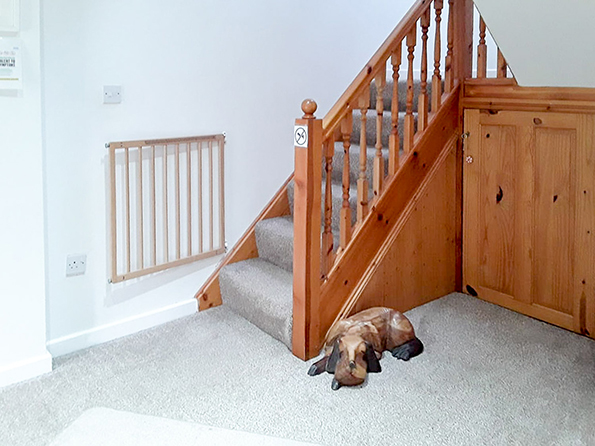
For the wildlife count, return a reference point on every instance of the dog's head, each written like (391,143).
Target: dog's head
(351,359)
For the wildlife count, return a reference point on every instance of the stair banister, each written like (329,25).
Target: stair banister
(307,223)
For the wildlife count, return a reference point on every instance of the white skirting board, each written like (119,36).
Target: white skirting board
(114,330)
(25,369)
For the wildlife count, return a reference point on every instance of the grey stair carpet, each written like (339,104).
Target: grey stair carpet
(261,290)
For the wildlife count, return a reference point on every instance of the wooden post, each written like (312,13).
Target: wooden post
(345,213)
(482,61)
(409,119)
(448,68)
(362,181)
(306,241)
(378,173)
(463,39)
(394,143)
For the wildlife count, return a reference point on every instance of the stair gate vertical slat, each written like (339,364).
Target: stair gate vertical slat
(394,141)
(165,208)
(211,192)
(177,198)
(448,63)
(362,181)
(113,213)
(153,209)
(422,107)
(306,252)
(378,172)
(127,187)
(345,214)
(409,121)
(482,61)
(140,214)
(200,204)
(327,235)
(220,142)
(189,197)
(436,78)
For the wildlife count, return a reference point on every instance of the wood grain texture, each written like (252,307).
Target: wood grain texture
(388,211)
(306,337)
(209,295)
(529,246)
(420,263)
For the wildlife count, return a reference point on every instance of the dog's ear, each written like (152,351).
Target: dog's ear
(331,364)
(372,359)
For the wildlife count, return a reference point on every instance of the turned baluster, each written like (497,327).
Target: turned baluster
(502,66)
(394,143)
(345,215)
(436,78)
(378,176)
(327,235)
(409,121)
(448,74)
(482,51)
(422,101)
(362,181)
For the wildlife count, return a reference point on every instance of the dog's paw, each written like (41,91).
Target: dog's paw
(313,371)
(408,350)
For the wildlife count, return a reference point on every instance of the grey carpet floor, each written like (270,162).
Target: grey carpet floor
(488,377)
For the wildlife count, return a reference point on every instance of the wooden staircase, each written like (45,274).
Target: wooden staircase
(400,244)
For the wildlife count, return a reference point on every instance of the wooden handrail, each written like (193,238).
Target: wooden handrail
(372,68)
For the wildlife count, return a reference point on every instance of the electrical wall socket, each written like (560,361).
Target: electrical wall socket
(76,264)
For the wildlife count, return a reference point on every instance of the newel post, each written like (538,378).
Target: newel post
(463,39)
(306,238)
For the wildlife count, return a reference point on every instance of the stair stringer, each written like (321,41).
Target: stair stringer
(355,266)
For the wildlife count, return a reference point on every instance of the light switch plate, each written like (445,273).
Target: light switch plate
(112,94)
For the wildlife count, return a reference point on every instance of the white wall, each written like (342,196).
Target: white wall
(23,352)
(186,67)
(546,42)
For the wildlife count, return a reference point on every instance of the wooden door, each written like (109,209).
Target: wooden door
(529,214)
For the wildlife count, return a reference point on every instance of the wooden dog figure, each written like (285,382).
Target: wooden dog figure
(353,346)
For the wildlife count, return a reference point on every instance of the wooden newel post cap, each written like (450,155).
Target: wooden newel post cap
(309,106)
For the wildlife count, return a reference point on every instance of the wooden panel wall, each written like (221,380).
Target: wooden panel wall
(421,263)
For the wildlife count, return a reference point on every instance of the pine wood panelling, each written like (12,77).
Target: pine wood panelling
(529,214)
(420,264)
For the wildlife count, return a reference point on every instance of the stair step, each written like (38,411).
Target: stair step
(262,293)
(354,150)
(388,92)
(274,239)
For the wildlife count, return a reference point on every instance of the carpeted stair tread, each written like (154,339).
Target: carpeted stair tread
(388,92)
(262,293)
(371,127)
(354,151)
(274,239)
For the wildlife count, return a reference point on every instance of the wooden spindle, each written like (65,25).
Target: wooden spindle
(199,215)
(409,120)
(482,61)
(153,210)
(448,65)
(378,174)
(140,215)
(362,181)
(127,201)
(502,66)
(177,190)
(327,235)
(345,215)
(422,100)
(436,78)
(189,197)
(211,192)
(394,140)
(165,209)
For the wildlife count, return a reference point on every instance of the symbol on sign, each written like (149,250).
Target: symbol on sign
(301,136)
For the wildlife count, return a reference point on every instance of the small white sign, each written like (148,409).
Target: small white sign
(11,69)
(300,136)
